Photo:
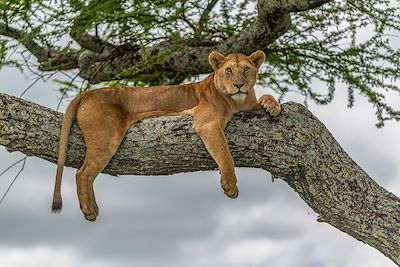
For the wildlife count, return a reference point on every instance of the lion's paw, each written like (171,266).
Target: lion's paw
(230,190)
(90,213)
(270,104)
(90,217)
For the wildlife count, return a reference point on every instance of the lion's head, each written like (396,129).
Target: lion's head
(236,74)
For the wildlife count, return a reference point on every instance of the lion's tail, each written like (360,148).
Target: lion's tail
(68,119)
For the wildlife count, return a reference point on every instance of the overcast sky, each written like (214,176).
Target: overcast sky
(185,220)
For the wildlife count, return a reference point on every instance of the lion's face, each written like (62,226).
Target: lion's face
(236,74)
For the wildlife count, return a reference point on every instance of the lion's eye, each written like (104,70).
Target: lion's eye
(246,70)
(229,70)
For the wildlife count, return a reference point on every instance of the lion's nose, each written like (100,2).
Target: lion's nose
(238,85)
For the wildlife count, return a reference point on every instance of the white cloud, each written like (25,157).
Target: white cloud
(40,256)
(253,252)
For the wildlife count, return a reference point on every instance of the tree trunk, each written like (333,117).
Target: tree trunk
(295,147)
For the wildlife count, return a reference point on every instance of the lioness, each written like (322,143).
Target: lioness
(104,116)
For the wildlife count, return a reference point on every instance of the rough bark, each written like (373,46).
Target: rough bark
(295,147)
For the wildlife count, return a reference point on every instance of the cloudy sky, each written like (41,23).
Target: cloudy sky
(185,219)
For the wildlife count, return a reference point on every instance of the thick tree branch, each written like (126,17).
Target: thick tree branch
(87,41)
(61,61)
(291,5)
(295,147)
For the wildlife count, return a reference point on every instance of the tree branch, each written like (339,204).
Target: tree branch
(295,147)
(87,41)
(291,5)
(41,53)
(50,59)
(204,17)
(61,61)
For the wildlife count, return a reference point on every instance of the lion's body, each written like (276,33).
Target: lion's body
(104,116)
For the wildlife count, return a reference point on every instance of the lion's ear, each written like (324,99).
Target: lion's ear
(257,58)
(215,59)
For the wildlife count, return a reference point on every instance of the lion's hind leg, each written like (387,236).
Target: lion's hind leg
(85,177)
(102,135)
(97,158)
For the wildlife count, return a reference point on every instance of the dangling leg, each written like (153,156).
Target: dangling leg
(211,131)
(103,128)
(84,181)
(216,144)
(97,158)
(93,165)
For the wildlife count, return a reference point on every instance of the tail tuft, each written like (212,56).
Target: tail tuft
(56,206)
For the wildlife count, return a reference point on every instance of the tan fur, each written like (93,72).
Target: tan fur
(104,116)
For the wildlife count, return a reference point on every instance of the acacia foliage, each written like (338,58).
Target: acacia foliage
(341,42)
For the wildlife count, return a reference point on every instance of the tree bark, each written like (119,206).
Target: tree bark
(295,147)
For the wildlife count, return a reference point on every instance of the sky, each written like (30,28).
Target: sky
(185,219)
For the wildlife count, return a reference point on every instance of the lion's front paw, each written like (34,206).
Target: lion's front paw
(230,190)
(270,104)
